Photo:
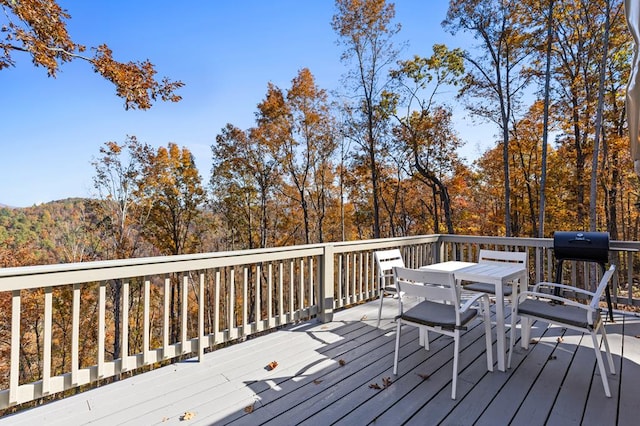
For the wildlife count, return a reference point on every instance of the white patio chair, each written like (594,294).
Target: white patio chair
(568,313)
(386,260)
(440,311)
(497,256)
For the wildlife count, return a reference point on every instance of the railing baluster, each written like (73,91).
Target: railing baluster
(14,380)
(102,301)
(216,309)
(360,276)
(245,302)
(46,358)
(301,289)
(75,336)
(258,301)
(146,326)
(630,277)
(281,307)
(340,281)
(272,321)
(201,305)
(311,284)
(167,320)
(233,333)
(125,328)
(292,316)
(185,317)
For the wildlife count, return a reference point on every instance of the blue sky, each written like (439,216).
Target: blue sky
(225,52)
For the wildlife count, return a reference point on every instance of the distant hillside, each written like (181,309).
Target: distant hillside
(53,232)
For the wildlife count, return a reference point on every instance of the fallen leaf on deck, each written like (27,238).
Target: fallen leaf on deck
(187,416)
(386,382)
(423,376)
(317,381)
(559,339)
(342,362)
(552,357)
(374,386)
(533,341)
(637,336)
(249,408)
(364,317)
(272,365)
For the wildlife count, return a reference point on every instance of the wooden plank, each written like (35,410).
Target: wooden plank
(410,391)
(542,395)
(474,403)
(507,400)
(571,399)
(310,386)
(363,365)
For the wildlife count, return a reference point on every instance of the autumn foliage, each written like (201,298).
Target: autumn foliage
(38,28)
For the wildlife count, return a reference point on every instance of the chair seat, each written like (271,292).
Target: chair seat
(554,312)
(488,288)
(437,314)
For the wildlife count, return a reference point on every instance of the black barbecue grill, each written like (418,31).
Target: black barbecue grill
(582,246)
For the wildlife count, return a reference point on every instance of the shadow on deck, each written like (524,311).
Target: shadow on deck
(336,373)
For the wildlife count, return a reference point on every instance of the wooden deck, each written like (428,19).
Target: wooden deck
(326,374)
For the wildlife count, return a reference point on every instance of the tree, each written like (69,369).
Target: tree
(425,129)
(308,149)
(120,217)
(365,28)
(171,189)
(499,74)
(577,61)
(38,28)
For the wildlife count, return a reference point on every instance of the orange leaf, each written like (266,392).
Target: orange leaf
(272,365)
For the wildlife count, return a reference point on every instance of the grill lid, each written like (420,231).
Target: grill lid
(584,246)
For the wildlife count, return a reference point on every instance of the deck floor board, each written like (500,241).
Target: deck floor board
(325,372)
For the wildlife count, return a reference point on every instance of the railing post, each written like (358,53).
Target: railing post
(326,299)
(437,250)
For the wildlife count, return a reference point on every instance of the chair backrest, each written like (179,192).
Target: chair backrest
(503,256)
(386,261)
(435,286)
(597,295)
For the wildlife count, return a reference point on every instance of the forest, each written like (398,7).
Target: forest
(381,158)
(378,157)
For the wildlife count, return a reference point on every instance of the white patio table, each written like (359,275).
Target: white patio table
(494,273)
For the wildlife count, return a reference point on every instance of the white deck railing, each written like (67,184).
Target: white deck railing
(65,319)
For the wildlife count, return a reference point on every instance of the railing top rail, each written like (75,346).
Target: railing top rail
(69,273)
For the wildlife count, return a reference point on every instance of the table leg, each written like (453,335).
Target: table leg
(500,336)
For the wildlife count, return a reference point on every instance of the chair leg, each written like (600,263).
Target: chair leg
(456,349)
(612,368)
(512,334)
(423,339)
(487,335)
(603,373)
(395,356)
(380,308)
(525,332)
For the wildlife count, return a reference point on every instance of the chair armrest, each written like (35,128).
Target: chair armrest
(562,286)
(568,302)
(473,300)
